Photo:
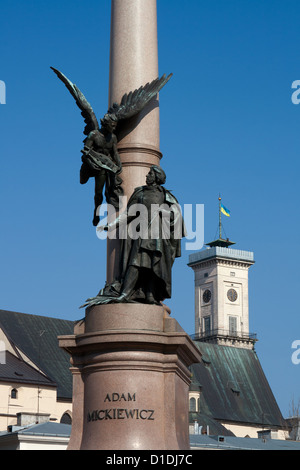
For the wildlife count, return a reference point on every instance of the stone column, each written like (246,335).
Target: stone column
(133,63)
(130,362)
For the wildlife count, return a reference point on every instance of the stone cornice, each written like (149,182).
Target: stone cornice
(220,261)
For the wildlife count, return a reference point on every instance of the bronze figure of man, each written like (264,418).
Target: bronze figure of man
(147,260)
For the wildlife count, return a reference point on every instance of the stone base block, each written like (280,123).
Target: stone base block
(130,379)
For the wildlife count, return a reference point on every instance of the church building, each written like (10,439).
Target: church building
(35,377)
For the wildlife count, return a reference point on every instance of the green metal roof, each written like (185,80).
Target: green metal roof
(234,386)
(209,425)
(36,336)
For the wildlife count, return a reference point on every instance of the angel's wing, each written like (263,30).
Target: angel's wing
(86,109)
(135,101)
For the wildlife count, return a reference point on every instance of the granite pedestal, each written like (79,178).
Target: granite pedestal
(130,379)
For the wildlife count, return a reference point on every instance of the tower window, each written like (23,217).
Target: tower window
(193,404)
(233,326)
(206,324)
(14,393)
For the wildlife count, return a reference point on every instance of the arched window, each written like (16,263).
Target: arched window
(66,418)
(14,393)
(193,404)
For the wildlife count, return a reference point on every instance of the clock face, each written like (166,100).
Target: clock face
(206,296)
(232,295)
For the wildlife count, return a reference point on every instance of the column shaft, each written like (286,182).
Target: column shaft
(133,63)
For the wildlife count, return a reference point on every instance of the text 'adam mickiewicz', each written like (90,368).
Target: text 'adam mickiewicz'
(120,413)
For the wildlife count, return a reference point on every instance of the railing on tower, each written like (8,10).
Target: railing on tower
(222,333)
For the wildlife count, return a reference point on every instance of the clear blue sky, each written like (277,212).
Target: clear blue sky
(228,126)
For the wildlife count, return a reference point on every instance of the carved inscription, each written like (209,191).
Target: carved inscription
(120,413)
(119,397)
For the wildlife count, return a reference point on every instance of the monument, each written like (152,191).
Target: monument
(129,357)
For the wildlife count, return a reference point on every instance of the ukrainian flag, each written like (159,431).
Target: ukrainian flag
(225,211)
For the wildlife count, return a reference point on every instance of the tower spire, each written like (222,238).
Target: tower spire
(220,218)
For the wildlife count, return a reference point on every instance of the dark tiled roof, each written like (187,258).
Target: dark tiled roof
(16,370)
(36,336)
(234,386)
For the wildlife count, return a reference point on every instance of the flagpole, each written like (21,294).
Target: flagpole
(220,219)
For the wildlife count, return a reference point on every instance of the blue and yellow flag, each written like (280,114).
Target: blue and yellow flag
(225,211)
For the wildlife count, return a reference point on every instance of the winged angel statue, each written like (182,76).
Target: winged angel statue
(100,157)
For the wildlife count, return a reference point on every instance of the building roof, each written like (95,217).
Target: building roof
(47,429)
(36,336)
(234,387)
(221,242)
(35,436)
(209,425)
(240,443)
(16,370)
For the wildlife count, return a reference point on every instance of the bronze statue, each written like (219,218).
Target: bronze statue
(148,256)
(100,158)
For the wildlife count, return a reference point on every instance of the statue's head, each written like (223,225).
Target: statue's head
(160,175)
(109,122)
